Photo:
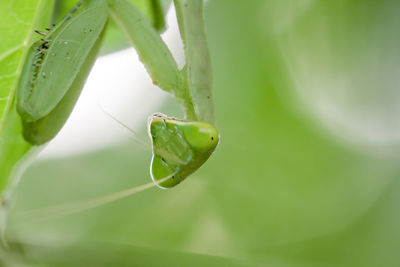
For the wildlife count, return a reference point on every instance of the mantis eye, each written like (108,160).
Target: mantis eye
(201,136)
(179,148)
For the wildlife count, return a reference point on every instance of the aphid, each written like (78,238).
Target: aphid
(179,148)
(45,101)
(41,33)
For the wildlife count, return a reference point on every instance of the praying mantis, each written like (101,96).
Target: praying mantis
(56,68)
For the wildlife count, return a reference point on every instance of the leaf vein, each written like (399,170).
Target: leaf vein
(10,51)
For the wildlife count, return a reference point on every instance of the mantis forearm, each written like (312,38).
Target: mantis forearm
(152,51)
(198,64)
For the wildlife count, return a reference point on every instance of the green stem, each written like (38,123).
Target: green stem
(12,149)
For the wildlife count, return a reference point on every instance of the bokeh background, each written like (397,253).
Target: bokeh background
(307,102)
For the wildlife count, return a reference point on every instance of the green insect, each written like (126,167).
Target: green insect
(179,148)
(57,66)
(56,69)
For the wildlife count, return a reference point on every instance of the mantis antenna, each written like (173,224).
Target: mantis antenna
(121,123)
(61,210)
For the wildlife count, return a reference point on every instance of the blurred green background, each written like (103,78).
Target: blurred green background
(306,174)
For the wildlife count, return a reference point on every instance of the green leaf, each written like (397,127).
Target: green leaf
(18,20)
(106,254)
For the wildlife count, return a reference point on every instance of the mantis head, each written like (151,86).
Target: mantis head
(179,148)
